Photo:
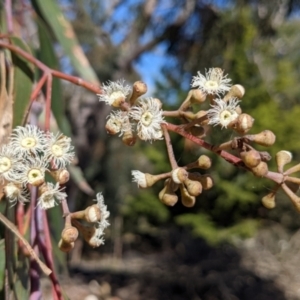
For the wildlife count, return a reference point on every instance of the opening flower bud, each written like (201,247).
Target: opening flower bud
(282,158)
(260,170)
(179,175)
(92,214)
(243,123)
(236,91)
(250,158)
(268,201)
(128,138)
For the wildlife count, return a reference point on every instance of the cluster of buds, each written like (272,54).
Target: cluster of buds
(24,161)
(190,184)
(90,222)
(132,116)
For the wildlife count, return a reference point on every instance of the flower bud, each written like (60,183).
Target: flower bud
(61,176)
(167,194)
(36,177)
(250,158)
(282,158)
(65,247)
(202,114)
(193,187)
(205,180)
(128,138)
(92,214)
(260,170)
(197,96)
(236,91)
(204,162)
(268,201)
(69,234)
(179,175)
(265,138)
(243,123)
(139,88)
(187,199)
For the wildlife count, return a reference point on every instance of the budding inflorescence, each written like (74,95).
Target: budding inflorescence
(25,160)
(96,216)
(143,118)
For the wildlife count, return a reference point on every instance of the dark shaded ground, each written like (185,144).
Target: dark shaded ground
(187,270)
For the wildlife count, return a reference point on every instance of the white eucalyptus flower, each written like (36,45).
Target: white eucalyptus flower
(59,150)
(140,178)
(96,239)
(103,223)
(28,140)
(33,171)
(9,164)
(15,192)
(114,93)
(222,113)
(149,117)
(118,122)
(214,82)
(49,195)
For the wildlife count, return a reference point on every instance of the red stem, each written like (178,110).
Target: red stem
(76,80)
(8,13)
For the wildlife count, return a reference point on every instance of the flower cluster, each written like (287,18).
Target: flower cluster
(134,114)
(25,160)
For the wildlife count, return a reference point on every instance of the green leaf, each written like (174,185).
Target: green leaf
(23,81)
(47,55)
(63,31)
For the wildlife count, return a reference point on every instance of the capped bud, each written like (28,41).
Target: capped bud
(69,234)
(205,180)
(265,138)
(243,123)
(260,170)
(167,194)
(293,197)
(202,114)
(128,138)
(61,176)
(179,175)
(204,162)
(139,88)
(268,201)
(282,158)
(236,91)
(250,158)
(65,247)
(197,96)
(187,199)
(169,199)
(193,187)
(92,214)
